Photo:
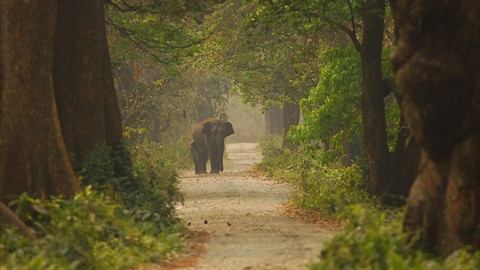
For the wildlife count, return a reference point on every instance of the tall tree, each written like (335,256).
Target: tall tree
(57,94)
(373,112)
(363,23)
(437,66)
(84,90)
(33,157)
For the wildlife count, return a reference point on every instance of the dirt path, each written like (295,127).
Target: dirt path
(240,216)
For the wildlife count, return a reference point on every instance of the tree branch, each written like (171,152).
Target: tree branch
(350,33)
(8,217)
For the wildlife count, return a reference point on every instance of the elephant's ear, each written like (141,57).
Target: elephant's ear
(207,128)
(228,129)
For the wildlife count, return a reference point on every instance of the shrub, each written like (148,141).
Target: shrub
(124,217)
(329,188)
(373,239)
(148,192)
(86,232)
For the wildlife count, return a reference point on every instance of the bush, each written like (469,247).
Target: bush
(329,188)
(173,152)
(86,232)
(373,239)
(125,215)
(148,191)
(156,189)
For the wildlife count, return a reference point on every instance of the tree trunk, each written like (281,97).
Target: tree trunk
(373,108)
(404,162)
(33,157)
(291,117)
(274,121)
(84,90)
(437,68)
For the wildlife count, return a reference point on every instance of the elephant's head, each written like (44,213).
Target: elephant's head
(217,129)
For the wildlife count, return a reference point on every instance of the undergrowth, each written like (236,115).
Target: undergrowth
(372,238)
(117,221)
(86,232)
(328,188)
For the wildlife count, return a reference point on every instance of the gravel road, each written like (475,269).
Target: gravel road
(236,218)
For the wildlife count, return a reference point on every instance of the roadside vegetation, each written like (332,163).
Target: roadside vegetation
(372,236)
(326,163)
(113,223)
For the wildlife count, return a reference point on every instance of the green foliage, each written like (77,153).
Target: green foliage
(152,31)
(327,188)
(172,152)
(150,192)
(98,170)
(259,60)
(125,215)
(86,232)
(330,189)
(156,192)
(373,239)
(151,44)
(332,110)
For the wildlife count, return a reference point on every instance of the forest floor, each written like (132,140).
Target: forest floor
(240,219)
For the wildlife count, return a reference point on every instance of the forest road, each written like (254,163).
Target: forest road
(238,217)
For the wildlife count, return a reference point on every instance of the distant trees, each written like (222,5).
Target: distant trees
(262,64)
(159,90)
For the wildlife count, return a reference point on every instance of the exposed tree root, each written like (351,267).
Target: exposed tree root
(8,217)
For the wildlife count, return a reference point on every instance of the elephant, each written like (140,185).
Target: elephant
(209,143)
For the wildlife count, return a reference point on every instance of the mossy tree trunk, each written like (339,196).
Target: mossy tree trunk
(438,70)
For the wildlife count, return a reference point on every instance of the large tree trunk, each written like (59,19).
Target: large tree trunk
(84,89)
(437,68)
(33,157)
(373,108)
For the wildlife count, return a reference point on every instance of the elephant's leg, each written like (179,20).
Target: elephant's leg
(220,168)
(195,158)
(203,163)
(214,164)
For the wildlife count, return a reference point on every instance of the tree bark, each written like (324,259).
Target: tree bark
(291,117)
(84,88)
(274,121)
(438,70)
(404,162)
(33,157)
(373,108)
(8,217)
